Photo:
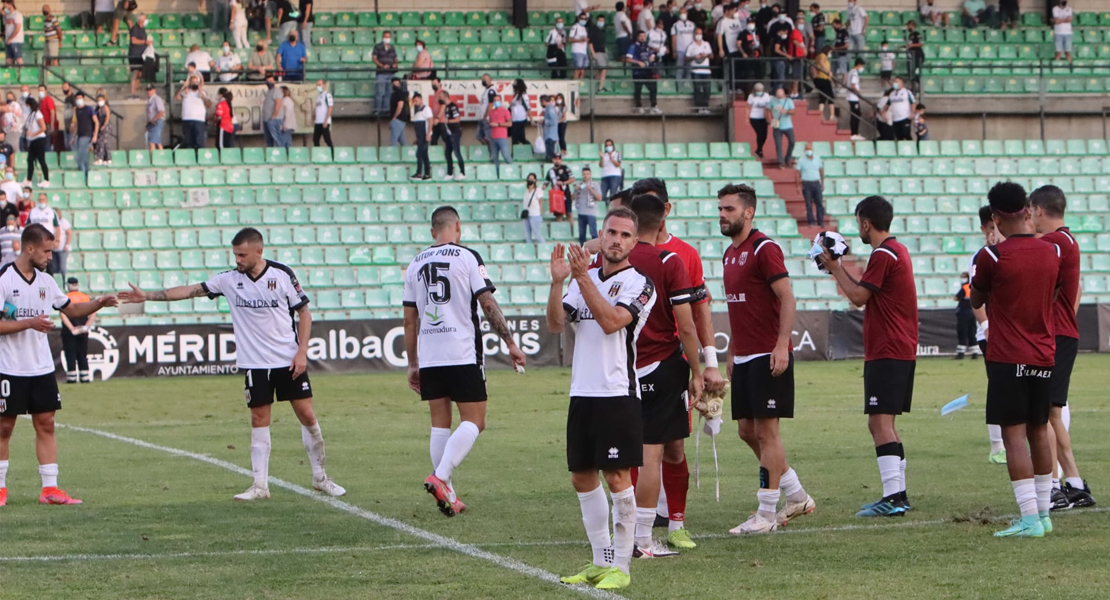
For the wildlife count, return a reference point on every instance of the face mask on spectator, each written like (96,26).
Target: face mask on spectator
(420,47)
(497,104)
(25,95)
(601,23)
(100,103)
(809,153)
(227,50)
(258,48)
(608,148)
(319,89)
(387,41)
(558,26)
(42,95)
(896,85)
(80,102)
(698,37)
(581,21)
(683,16)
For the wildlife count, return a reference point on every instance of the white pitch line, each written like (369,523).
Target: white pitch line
(434,538)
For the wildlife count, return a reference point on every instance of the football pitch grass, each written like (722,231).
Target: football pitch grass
(162,524)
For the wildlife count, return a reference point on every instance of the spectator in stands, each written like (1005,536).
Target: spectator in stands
(12,189)
(556,50)
(611,172)
(8,208)
(699,16)
(49,114)
(643,74)
(560,177)
(853,96)
(817,25)
(598,54)
(75,336)
(24,96)
(520,109)
(886,64)
(757,115)
(139,40)
(623,25)
(219,14)
(325,104)
(531,211)
(6,150)
(287,18)
(903,106)
(26,204)
(11,233)
(304,23)
(564,110)
(202,59)
(550,126)
(288,115)
(102,14)
(840,47)
(585,204)
(453,141)
(13,118)
(799,50)
(915,46)
(978,11)
(500,119)
(485,101)
(883,120)
(1009,13)
(579,39)
(697,55)
(728,32)
(657,42)
(259,16)
(681,36)
(52,34)
(399,100)
(422,67)
(62,139)
(44,214)
(194,115)
(780,54)
(782,126)
(271,127)
(965,318)
(858,20)
(124,12)
(84,128)
(155,118)
(1061,29)
(668,16)
(225,120)
(821,72)
(291,58)
(63,236)
(933,15)
(920,127)
(812,175)
(36,129)
(228,64)
(384,56)
(238,24)
(645,21)
(13,33)
(422,121)
(260,62)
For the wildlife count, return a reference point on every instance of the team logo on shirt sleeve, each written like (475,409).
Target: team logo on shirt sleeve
(295,283)
(615,289)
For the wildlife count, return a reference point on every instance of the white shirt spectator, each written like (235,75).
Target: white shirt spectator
(192,106)
(63,233)
(17,17)
(519,107)
(45,216)
(901,102)
(699,67)
(324,101)
(424,113)
(105,6)
(579,32)
(608,168)
(555,37)
(532,200)
(623,25)
(1060,12)
(645,22)
(730,29)
(758,105)
(717,13)
(857,17)
(657,41)
(683,34)
(886,61)
(853,83)
(227,64)
(13,192)
(201,58)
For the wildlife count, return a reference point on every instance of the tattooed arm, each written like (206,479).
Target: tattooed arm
(183,292)
(497,322)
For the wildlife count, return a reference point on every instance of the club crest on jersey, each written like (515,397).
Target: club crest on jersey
(42,293)
(615,289)
(271,284)
(738,261)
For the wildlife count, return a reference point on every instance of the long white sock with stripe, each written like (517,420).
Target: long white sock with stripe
(595,517)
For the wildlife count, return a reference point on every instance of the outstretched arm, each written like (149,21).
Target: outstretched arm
(497,322)
(182,292)
(76,310)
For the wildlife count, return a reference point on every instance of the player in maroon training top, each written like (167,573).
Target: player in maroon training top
(669,382)
(1048,206)
(889,293)
(761,362)
(1018,280)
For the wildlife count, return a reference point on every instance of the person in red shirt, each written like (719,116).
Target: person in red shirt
(669,381)
(1018,281)
(49,115)
(1048,206)
(225,122)
(889,293)
(500,119)
(761,366)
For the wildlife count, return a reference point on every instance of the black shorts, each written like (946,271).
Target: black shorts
(664,406)
(461,383)
(29,395)
(136,62)
(756,394)
(262,385)
(888,386)
(1066,349)
(886,74)
(1018,394)
(604,433)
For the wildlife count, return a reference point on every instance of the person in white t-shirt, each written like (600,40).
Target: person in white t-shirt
(697,55)
(579,39)
(13,33)
(1061,29)
(903,105)
(757,116)
(611,171)
(645,21)
(228,64)
(624,30)
(322,122)
(202,59)
(858,20)
(63,237)
(851,81)
(682,35)
(271,350)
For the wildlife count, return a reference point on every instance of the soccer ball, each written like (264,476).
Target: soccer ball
(832,240)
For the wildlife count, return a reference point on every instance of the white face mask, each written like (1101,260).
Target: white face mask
(42,205)
(319,89)
(25,95)
(683,16)
(387,41)
(698,37)
(227,50)
(42,95)
(608,148)
(419,47)
(80,102)
(100,103)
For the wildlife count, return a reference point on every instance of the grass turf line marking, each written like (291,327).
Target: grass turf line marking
(434,538)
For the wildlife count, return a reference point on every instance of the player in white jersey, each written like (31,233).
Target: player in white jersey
(27,383)
(444,286)
(991,237)
(610,305)
(270,348)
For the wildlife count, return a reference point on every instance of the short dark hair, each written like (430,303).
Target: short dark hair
(624,197)
(877,210)
(35,234)
(745,192)
(623,212)
(1051,199)
(649,210)
(815,5)
(620,6)
(1007,198)
(860,61)
(651,185)
(444,216)
(247,235)
(984,215)
(920,106)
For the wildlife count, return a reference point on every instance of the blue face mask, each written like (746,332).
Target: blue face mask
(896,85)
(497,104)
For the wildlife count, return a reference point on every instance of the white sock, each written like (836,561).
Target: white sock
(1075,482)
(1025,491)
(260,456)
(768,503)
(3,473)
(1065,416)
(792,486)
(1056,483)
(314,444)
(890,472)
(645,518)
(995,434)
(436,444)
(1043,486)
(456,449)
(49,475)
(595,516)
(902,477)
(624,526)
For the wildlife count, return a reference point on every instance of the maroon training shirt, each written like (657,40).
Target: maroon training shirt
(659,337)
(890,318)
(1063,310)
(1021,275)
(753,307)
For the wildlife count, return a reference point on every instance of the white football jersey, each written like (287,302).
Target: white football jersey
(443,284)
(605,365)
(261,314)
(27,353)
